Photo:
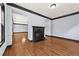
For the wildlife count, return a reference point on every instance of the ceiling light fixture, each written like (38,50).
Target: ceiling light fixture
(52,5)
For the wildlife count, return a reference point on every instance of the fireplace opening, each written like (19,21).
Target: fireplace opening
(38,33)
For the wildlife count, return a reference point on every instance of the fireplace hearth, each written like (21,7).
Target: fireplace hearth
(38,33)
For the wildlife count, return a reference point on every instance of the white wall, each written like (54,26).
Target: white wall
(20,22)
(73,33)
(20,27)
(48,27)
(8,24)
(35,20)
(61,26)
(8,30)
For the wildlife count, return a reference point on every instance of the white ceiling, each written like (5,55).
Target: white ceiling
(43,8)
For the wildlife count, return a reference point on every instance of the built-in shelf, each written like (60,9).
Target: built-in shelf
(20,24)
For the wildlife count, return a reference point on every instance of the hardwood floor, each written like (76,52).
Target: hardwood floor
(51,46)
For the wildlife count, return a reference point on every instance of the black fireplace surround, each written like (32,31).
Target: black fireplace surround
(38,33)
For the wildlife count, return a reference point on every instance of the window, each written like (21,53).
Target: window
(2,24)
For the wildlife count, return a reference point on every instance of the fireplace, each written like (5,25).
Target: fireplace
(38,33)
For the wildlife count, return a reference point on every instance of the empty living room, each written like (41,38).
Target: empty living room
(39,29)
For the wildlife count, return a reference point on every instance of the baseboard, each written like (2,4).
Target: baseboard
(62,38)
(9,46)
(48,35)
(20,32)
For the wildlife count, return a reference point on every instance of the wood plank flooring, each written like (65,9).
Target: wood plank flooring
(51,46)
